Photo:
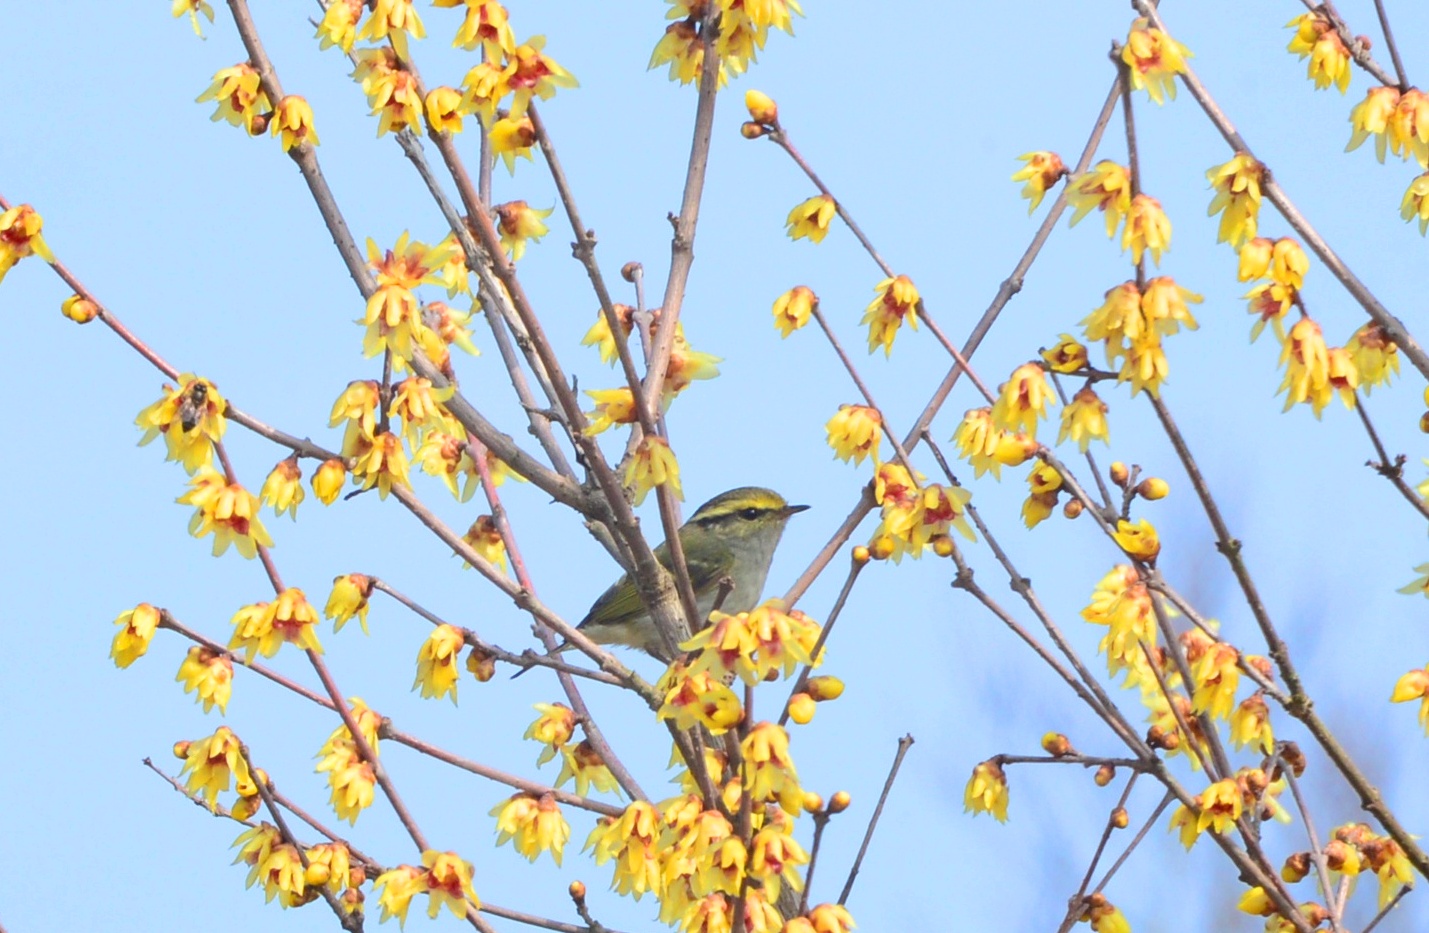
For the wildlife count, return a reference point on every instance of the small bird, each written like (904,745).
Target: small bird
(731,537)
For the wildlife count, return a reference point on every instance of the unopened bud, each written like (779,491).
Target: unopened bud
(1073,508)
(481,664)
(861,554)
(259,124)
(1105,775)
(824,687)
(352,899)
(1291,754)
(356,876)
(1056,744)
(812,802)
(1118,472)
(245,807)
(577,891)
(751,130)
(942,545)
(80,310)
(882,547)
(1424,422)
(1296,867)
(1153,488)
(1119,818)
(631,271)
(761,106)
(801,708)
(317,873)
(181,749)
(839,802)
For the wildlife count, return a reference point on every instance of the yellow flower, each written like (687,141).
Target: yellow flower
(583,765)
(1375,356)
(1220,806)
(227,511)
(1288,263)
(1068,356)
(1237,186)
(775,857)
(1250,724)
(397,888)
(698,698)
(855,433)
(394,20)
(553,728)
(612,407)
(437,671)
(1147,229)
(518,222)
(1307,367)
(770,770)
(191,418)
(1408,129)
(486,25)
(1316,39)
(793,309)
(448,883)
(382,464)
(686,364)
(485,538)
(339,24)
(293,118)
(1415,205)
(193,8)
(533,824)
(1153,59)
(1138,540)
(137,628)
(653,465)
(986,791)
(1023,400)
(20,237)
(529,72)
(1216,677)
(1371,116)
(444,109)
(512,137)
(392,93)
(1084,420)
(987,447)
(1414,686)
(762,108)
(283,489)
(209,676)
(896,301)
(1042,171)
(212,762)
(1270,302)
(327,480)
(811,218)
(1106,187)
(349,598)
(240,97)
(630,840)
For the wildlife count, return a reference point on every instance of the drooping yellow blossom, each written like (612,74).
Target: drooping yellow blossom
(896,301)
(20,228)
(212,762)
(1414,686)
(987,447)
(396,888)
(553,729)
(793,309)
(283,489)
(1147,229)
(811,218)
(855,432)
(1415,205)
(511,137)
(1371,116)
(1420,584)
(357,406)
(1307,367)
(382,464)
(487,25)
(1315,38)
(612,407)
(193,8)
(351,780)
(1256,903)
(1184,818)
(530,73)
(986,791)
(136,629)
(329,865)
(1046,484)
(262,628)
(339,24)
(447,322)
(680,47)
(444,109)
(448,884)
(1237,186)
(482,90)
(533,824)
(349,598)
(1106,187)
(1250,724)
(1023,400)
(1408,129)
(327,480)
(391,92)
(240,97)
(1270,302)
(1042,171)
(1254,258)
(1138,540)
(775,857)
(631,840)
(1220,806)
(1288,263)
(1132,325)
(1216,677)
(293,118)
(1153,59)
(209,676)
(227,511)
(192,418)
(770,769)
(754,645)
(600,336)
(419,404)
(1122,602)
(653,465)
(485,538)
(1084,419)
(698,699)
(1343,376)
(1068,356)
(394,322)
(394,20)
(448,456)
(518,222)
(437,671)
(583,765)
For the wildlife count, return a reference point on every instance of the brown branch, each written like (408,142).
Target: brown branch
(904,744)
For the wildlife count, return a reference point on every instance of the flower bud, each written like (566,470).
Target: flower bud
(1424,420)
(481,664)
(631,271)
(839,802)
(861,554)
(356,876)
(1105,775)
(1057,745)
(1073,508)
(1119,818)
(80,310)
(317,873)
(181,749)
(1153,488)
(825,687)
(801,708)
(812,802)
(245,807)
(577,891)
(761,106)
(942,545)
(882,547)
(1118,472)
(1296,867)
(1294,757)
(753,130)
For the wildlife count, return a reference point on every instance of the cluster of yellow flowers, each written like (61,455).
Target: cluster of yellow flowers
(743,30)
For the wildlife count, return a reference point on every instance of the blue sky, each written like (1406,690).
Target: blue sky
(206,243)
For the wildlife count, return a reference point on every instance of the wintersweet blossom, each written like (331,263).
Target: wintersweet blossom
(810,219)
(1041,171)
(1153,59)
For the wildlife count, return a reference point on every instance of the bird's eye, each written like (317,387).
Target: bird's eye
(750,514)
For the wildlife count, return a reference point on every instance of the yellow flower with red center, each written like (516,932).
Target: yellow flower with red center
(1068,356)
(855,433)
(1183,818)
(349,598)
(726,646)
(293,119)
(328,479)
(681,49)
(713,913)
(691,698)
(1042,171)
(212,762)
(810,219)
(1414,685)
(352,782)
(396,888)
(283,489)
(1147,229)
(685,365)
(612,407)
(291,618)
(986,791)
(1023,400)
(1106,187)
(1220,806)
(357,405)
(1307,367)
(653,465)
(444,109)
(394,20)
(775,857)
(630,840)
(447,322)
(20,228)
(1084,419)
(227,511)
(518,222)
(1375,356)
(240,97)
(136,629)
(447,456)
(383,464)
(329,865)
(897,300)
(1122,602)
(395,100)
(393,322)
(599,335)
(1371,116)
(531,73)
(1415,205)
(1216,677)
(191,418)
(1408,129)
(1316,39)
(1270,302)
(209,676)
(793,309)
(987,447)
(1153,59)
(283,876)
(1237,186)
(553,728)
(583,765)
(1138,540)
(1117,321)
(437,671)
(511,137)
(825,918)
(485,538)
(448,884)
(1344,378)
(533,824)
(482,89)
(1250,725)
(769,769)
(339,24)
(486,25)
(419,405)
(940,509)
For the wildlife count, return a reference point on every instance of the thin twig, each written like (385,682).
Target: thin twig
(904,744)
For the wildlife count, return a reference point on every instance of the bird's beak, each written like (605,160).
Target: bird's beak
(792,510)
